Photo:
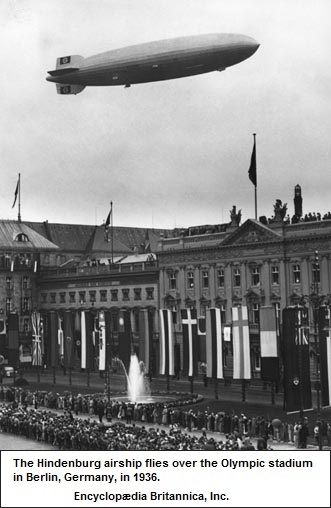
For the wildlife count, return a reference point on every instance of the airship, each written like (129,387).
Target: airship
(152,61)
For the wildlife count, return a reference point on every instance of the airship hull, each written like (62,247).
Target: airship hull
(157,61)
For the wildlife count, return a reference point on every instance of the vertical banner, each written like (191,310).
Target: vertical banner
(324,326)
(77,336)
(60,336)
(68,338)
(167,364)
(124,337)
(82,340)
(109,338)
(214,344)
(269,346)
(145,337)
(102,341)
(190,341)
(53,338)
(241,343)
(36,338)
(13,339)
(297,387)
(202,339)
(87,350)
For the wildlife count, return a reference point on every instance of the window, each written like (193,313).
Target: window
(46,259)
(8,305)
(44,297)
(205,279)
(173,280)
(21,237)
(26,325)
(26,282)
(62,298)
(256,313)
(275,274)
(220,277)
(137,293)
(9,283)
(82,297)
(257,359)
(190,279)
(316,272)
(223,313)
(92,296)
(150,293)
(236,277)
(53,297)
(103,295)
(255,273)
(114,295)
(277,309)
(26,304)
(296,274)
(72,297)
(125,294)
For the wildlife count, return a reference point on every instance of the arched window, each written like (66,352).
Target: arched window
(21,237)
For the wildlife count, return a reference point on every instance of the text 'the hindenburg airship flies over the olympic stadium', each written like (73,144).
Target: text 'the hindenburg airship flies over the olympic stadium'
(152,61)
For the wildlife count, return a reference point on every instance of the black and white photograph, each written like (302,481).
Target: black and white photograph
(165,226)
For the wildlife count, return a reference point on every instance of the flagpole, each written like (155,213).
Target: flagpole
(255,186)
(19,197)
(112,233)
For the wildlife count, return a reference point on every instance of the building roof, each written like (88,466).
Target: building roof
(18,235)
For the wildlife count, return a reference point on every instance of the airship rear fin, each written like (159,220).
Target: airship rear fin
(69,89)
(64,62)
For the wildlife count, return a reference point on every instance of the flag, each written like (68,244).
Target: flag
(241,344)
(124,337)
(12,339)
(16,192)
(52,336)
(36,341)
(68,338)
(145,337)
(324,323)
(190,341)
(252,167)
(86,330)
(214,344)
(202,338)
(107,223)
(297,387)
(167,364)
(268,341)
(102,341)
(60,338)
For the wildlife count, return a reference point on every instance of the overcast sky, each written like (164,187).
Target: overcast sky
(172,153)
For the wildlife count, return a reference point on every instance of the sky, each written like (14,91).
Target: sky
(174,153)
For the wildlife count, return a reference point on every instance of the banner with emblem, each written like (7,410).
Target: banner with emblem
(68,323)
(190,341)
(324,325)
(102,341)
(36,338)
(295,346)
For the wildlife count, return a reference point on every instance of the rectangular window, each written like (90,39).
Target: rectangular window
(137,293)
(125,294)
(220,277)
(296,274)
(72,297)
(25,282)
(205,279)
(103,295)
(257,360)
(92,296)
(223,313)
(8,305)
(173,280)
(8,283)
(82,297)
(114,295)
(190,279)
(62,298)
(255,273)
(53,297)
(26,304)
(275,274)
(236,277)
(150,293)
(26,325)
(44,297)
(256,313)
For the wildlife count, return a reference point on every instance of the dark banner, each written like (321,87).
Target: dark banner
(52,339)
(295,348)
(124,337)
(190,341)
(89,348)
(68,330)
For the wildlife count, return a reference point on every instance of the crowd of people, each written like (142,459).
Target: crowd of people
(92,422)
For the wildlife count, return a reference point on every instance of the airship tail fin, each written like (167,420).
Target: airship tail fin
(69,89)
(67,62)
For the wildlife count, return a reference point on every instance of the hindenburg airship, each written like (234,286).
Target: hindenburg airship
(152,61)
